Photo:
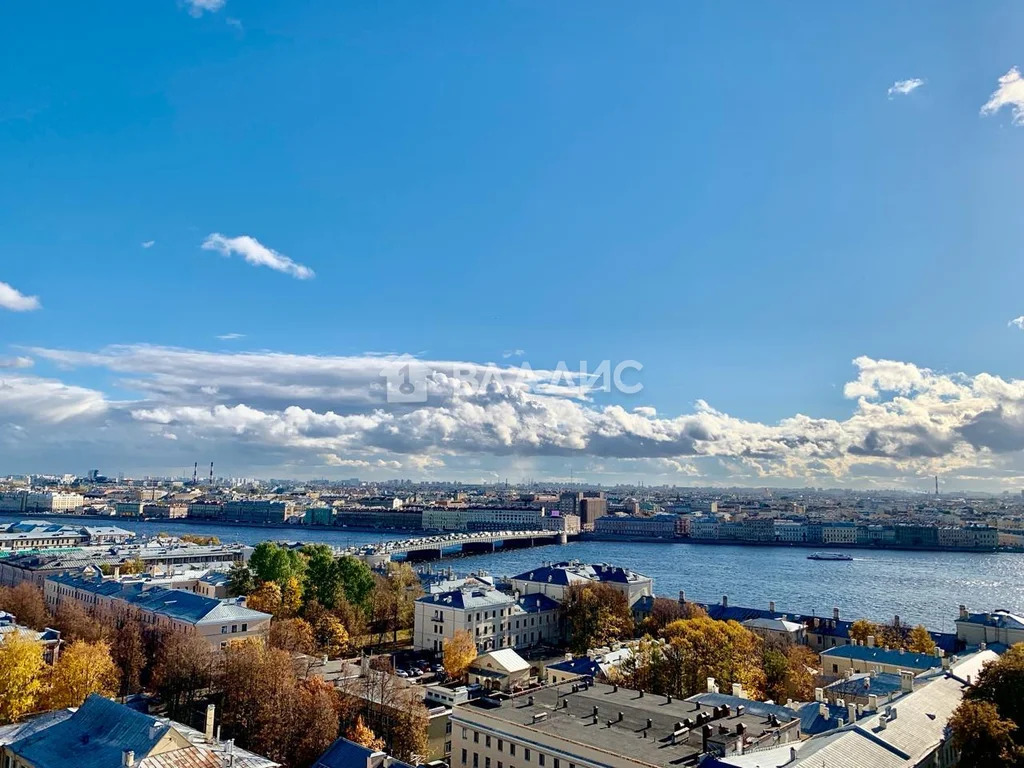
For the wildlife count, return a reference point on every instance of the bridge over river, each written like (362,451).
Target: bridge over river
(436,547)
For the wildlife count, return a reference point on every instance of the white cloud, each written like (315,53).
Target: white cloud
(16,362)
(1017,322)
(277,410)
(1009,93)
(14,300)
(197,7)
(148,243)
(231,336)
(257,254)
(513,353)
(903,87)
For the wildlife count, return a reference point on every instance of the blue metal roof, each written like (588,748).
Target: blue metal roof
(94,737)
(347,754)
(882,656)
(864,683)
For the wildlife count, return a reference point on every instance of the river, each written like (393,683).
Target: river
(920,587)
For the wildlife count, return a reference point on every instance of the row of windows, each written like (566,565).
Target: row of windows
(527,753)
(234,628)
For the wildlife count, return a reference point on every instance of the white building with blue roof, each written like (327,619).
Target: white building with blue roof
(495,619)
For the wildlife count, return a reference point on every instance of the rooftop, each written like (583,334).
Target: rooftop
(617,726)
(876,655)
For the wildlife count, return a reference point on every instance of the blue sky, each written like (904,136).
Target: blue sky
(727,194)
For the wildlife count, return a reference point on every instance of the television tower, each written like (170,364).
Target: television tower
(936,485)
(195,474)
(211,473)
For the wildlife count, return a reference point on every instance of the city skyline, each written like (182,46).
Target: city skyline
(227,229)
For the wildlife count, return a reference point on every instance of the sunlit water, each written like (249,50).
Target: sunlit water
(920,587)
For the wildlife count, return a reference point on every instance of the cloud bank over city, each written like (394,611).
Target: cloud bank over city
(280,414)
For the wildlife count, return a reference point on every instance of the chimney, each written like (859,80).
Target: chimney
(819,694)
(154,729)
(127,758)
(682,597)
(851,711)
(725,601)
(792,754)
(835,614)
(881,722)
(873,702)
(871,641)
(906,680)
(208,729)
(771,606)
(963,612)
(823,709)
(705,734)
(737,690)
(712,686)
(840,722)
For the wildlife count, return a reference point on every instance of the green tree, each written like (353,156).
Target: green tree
(324,580)
(357,580)
(272,562)
(1001,682)
(240,580)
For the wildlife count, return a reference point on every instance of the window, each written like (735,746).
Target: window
(527,755)
(476,737)
(835,669)
(476,760)
(224,629)
(463,757)
(501,745)
(511,750)
(245,627)
(234,628)
(540,759)
(465,733)
(487,741)
(487,762)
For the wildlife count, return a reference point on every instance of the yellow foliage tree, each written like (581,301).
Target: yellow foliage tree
(919,640)
(21,666)
(724,650)
(459,653)
(266,598)
(862,629)
(330,635)
(291,597)
(361,733)
(82,668)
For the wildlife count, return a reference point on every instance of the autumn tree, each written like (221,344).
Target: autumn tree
(75,623)
(459,653)
(862,629)
(919,640)
(291,597)
(664,611)
(724,650)
(195,538)
(802,673)
(128,649)
(330,636)
(409,734)
(182,671)
(81,669)
(1001,682)
(261,700)
(21,669)
(292,635)
(982,737)
(362,735)
(595,615)
(319,705)
(266,598)
(647,668)
(25,601)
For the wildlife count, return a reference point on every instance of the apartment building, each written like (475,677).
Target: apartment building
(857,659)
(177,610)
(553,580)
(993,627)
(582,725)
(657,526)
(494,618)
(40,534)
